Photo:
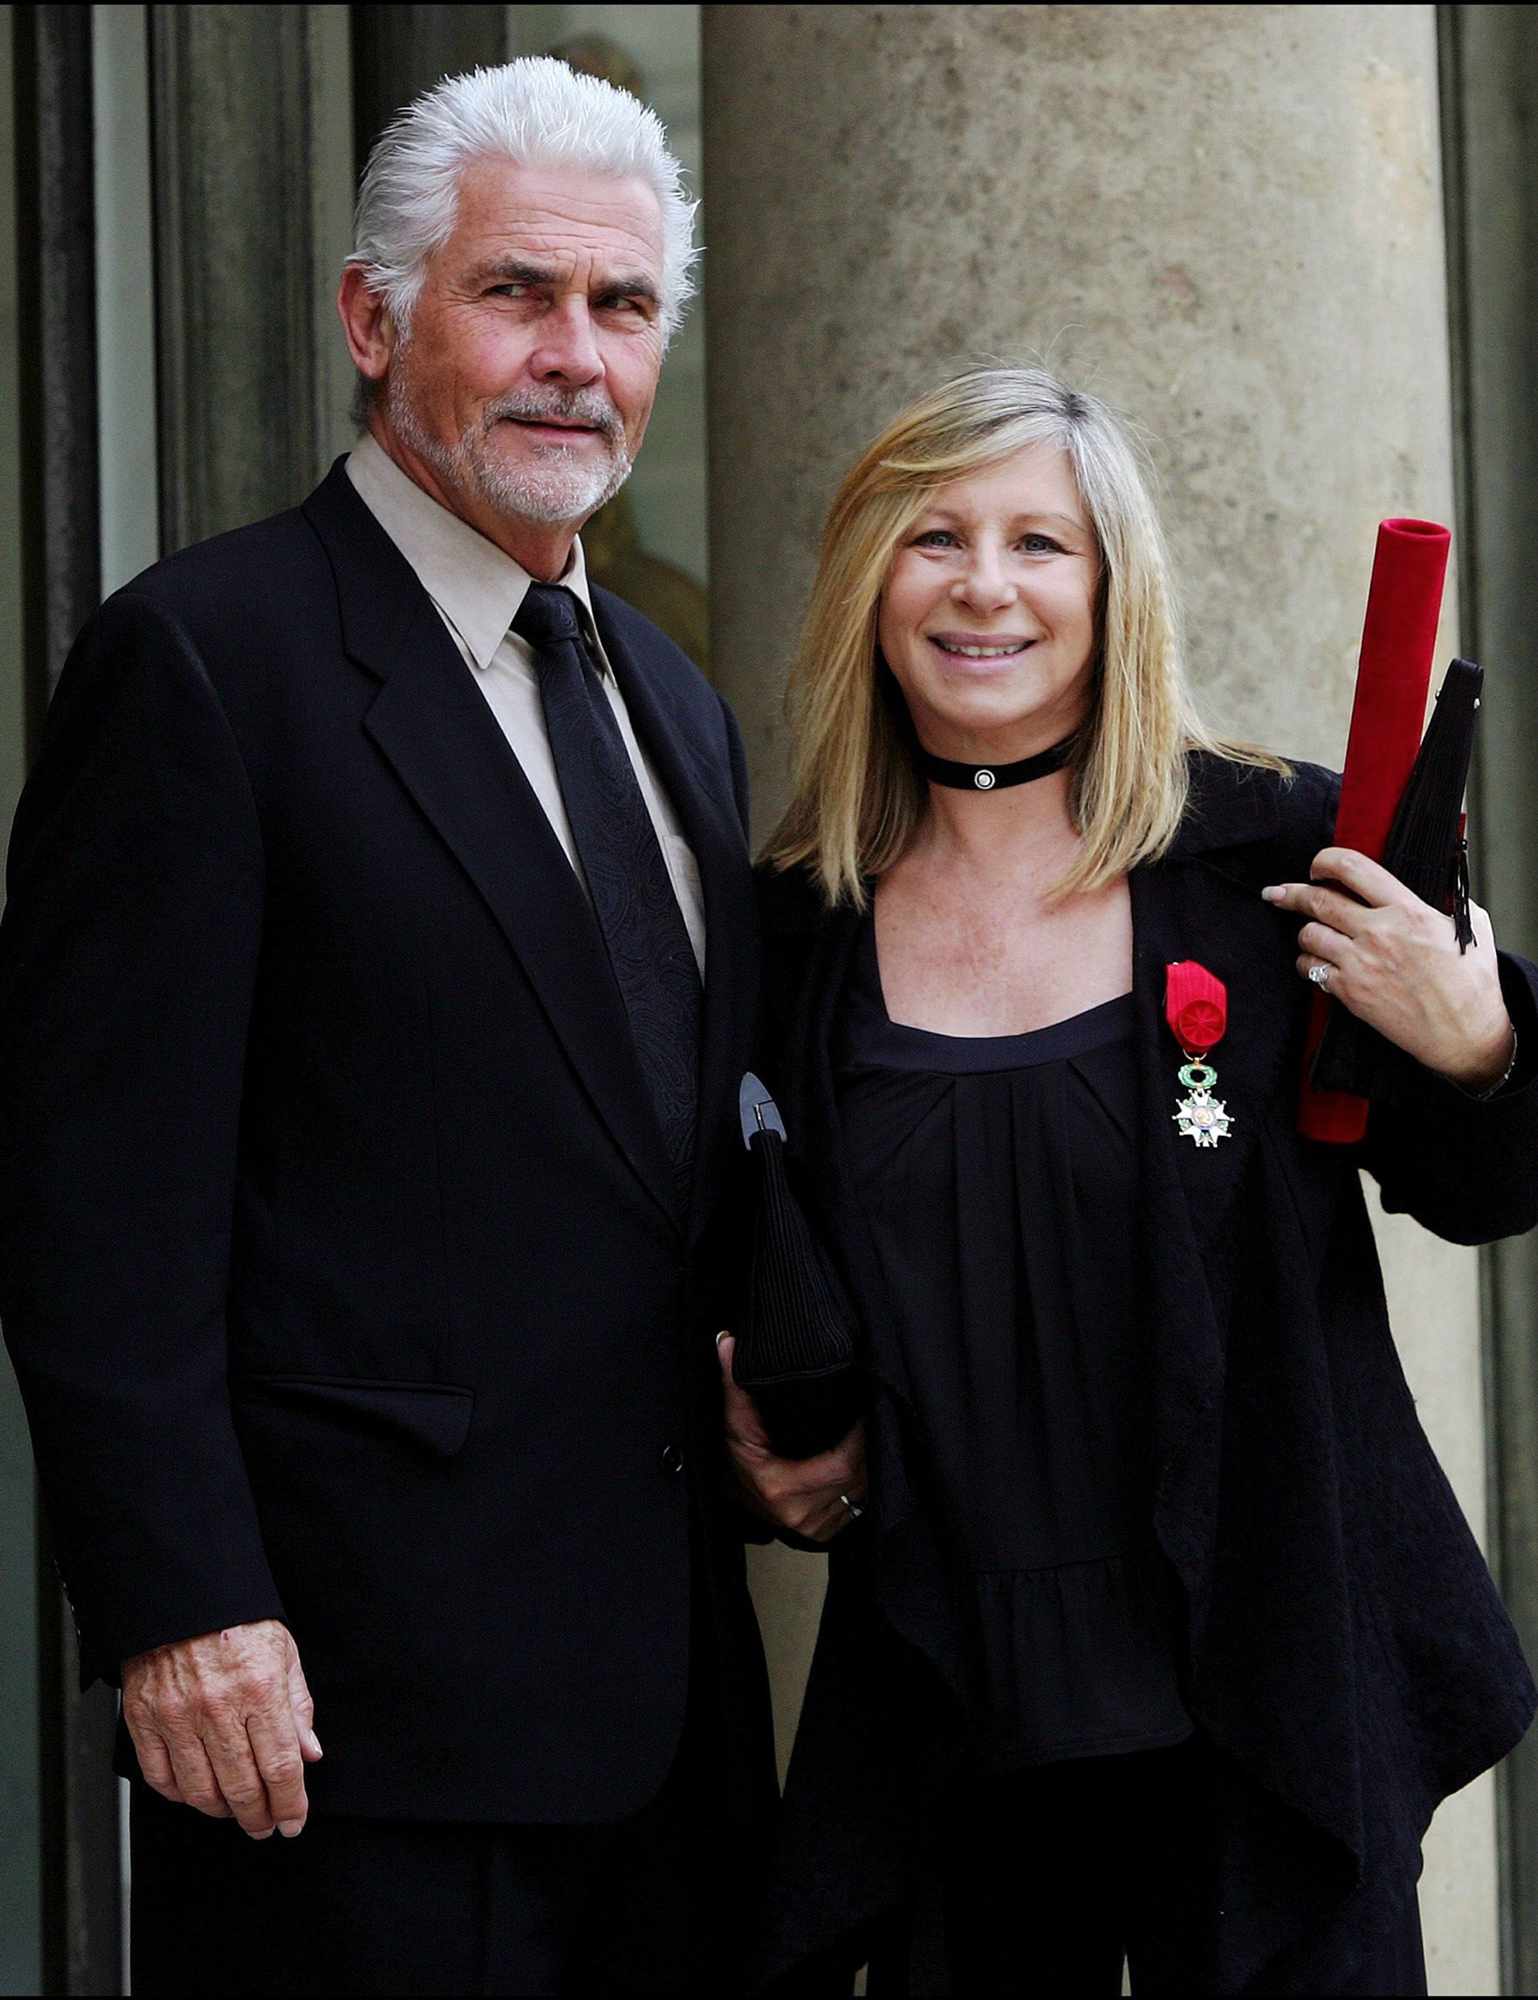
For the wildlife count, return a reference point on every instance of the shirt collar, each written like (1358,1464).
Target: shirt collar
(475,585)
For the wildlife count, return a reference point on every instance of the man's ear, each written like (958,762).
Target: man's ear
(366,321)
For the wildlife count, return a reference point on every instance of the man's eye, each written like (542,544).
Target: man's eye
(511,290)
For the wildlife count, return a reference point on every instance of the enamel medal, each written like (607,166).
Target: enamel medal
(1196,1007)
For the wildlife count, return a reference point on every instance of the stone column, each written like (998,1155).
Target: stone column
(251,191)
(73,1868)
(1490,73)
(398,51)
(56,328)
(1225,219)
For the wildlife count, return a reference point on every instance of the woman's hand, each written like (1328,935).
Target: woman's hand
(1394,962)
(812,1497)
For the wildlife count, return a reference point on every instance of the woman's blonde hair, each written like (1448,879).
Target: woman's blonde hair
(856,797)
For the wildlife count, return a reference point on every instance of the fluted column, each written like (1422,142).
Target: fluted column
(252,192)
(1225,219)
(399,50)
(1490,79)
(60,1846)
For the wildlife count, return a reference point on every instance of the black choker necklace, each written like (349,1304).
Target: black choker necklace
(992,777)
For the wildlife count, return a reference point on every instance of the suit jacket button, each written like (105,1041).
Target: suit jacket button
(672,1458)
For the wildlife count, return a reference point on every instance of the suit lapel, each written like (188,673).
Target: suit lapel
(431,723)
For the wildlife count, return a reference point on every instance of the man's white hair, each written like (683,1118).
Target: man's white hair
(537,112)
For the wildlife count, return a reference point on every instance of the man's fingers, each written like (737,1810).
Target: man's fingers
(155,1762)
(275,1745)
(196,1781)
(240,1776)
(302,1706)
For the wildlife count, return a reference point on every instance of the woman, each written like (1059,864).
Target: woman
(1162,1635)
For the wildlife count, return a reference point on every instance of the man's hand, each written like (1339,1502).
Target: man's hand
(814,1497)
(224,1723)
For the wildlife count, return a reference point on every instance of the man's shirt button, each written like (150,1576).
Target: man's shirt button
(672,1458)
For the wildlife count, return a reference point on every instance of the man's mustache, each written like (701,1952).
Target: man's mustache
(582,407)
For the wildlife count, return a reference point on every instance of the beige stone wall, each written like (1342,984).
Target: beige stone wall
(1227,219)
(1433,1295)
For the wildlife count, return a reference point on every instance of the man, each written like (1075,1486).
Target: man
(376,981)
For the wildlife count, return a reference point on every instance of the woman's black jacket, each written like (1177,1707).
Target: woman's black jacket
(1346,1651)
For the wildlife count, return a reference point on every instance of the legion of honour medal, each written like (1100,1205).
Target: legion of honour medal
(1196,1007)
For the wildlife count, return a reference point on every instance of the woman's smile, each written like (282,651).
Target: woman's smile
(965,647)
(971,655)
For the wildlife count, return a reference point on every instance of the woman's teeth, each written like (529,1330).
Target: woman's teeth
(982,652)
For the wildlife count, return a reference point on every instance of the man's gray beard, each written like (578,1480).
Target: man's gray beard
(559,487)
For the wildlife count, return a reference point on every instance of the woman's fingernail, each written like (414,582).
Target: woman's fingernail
(1271,895)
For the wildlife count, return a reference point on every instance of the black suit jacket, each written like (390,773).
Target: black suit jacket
(337,1251)
(1346,1650)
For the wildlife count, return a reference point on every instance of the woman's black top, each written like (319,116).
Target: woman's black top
(998,1177)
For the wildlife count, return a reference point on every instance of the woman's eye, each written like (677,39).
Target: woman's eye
(935,538)
(1040,545)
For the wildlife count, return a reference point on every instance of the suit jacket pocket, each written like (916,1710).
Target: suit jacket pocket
(434,1416)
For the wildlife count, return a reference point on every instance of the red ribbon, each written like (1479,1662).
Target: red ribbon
(1196,1006)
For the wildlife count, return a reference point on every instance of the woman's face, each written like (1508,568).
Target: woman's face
(987,616)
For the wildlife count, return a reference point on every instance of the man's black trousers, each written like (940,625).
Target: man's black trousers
(387,1907)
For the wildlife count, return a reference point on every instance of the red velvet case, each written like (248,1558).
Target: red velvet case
(1404,602)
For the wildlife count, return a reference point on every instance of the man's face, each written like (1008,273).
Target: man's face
(524,388)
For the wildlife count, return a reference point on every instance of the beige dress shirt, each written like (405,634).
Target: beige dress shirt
(477,590)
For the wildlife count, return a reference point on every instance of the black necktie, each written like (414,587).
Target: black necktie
(638,915)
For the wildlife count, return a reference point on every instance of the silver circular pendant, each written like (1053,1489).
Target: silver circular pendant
(984,781)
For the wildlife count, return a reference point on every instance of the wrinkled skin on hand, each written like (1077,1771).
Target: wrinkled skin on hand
(224,1723)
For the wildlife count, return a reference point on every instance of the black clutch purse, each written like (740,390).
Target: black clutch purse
(1426,849)
(795,1353)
